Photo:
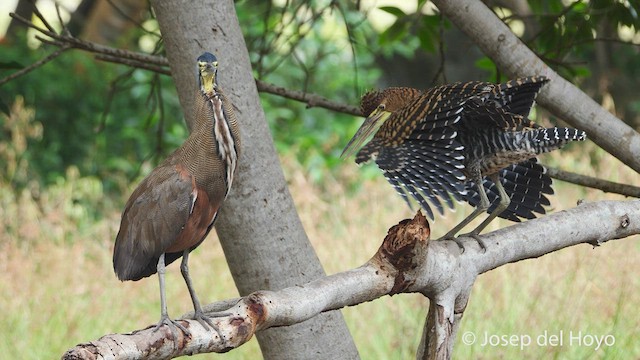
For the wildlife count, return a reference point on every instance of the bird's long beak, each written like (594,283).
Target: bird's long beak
(370,125)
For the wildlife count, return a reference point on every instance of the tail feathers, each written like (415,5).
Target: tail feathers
(546,140)
(527,185)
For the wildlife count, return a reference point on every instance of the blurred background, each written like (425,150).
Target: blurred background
(77,135)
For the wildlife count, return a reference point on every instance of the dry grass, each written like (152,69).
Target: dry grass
(59,289)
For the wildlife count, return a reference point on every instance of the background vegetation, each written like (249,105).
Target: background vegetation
(78,134)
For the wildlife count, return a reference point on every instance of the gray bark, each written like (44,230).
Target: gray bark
(262,237)
(513,57)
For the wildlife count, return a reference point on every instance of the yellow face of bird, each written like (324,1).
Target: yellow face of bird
(208,69)
(370,125)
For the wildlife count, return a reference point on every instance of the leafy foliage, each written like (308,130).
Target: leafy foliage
(317,47)
(106,120)
(83,125)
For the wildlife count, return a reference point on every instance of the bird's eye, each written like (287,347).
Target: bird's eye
(381,107)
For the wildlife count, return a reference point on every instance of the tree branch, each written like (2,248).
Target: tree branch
(160,64)
(593,182)
(312,100)
(35,65)
(497,41)
(406,262)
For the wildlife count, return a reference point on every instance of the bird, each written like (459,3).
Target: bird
(466,141)
(175,206)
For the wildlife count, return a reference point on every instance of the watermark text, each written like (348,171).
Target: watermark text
(559,338)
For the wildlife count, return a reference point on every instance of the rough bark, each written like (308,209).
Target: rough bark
(513,57)
(261,234)
(406,262)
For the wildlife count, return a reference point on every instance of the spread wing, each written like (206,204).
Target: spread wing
(426,170)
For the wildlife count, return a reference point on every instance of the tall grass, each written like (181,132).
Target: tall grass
(58,287)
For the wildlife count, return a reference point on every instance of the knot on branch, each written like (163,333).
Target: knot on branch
(256,308)
(404,248)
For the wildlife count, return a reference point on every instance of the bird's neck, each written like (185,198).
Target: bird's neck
(215,131)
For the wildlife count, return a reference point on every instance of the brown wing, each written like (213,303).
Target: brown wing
(165,214)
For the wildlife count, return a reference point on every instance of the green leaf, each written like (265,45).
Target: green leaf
(397,12)
(394,32)
(485,63)
(428,39)
(581,71)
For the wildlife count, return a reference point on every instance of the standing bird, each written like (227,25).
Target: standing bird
(464,141)
(173,209)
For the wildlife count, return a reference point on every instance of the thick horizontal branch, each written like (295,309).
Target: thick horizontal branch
(406,262)
(591,223)
(403,248)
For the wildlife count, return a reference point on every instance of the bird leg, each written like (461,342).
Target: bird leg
(164,316)
(198,315)
(502,205)
(482,207)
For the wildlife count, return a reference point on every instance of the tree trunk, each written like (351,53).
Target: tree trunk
(262,237)
(24,8)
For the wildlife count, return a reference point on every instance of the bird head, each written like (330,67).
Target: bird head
(207,71)
(377,106)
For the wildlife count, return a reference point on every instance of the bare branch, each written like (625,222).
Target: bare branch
(35,65)
(312,100)
(406,262)
(160,65)
(497,41)
(593,182)
(135,64)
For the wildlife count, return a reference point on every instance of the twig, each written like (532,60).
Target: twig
(441,69)
(592,182)
(40,16)
(160,65)
(35,65)
(312,100)
(135,64)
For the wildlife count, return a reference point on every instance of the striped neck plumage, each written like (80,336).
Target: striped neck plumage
(224,139)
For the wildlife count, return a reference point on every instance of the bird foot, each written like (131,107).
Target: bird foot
(206,322)
(460,243)
(452,238)
(173,326)
(476,237)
